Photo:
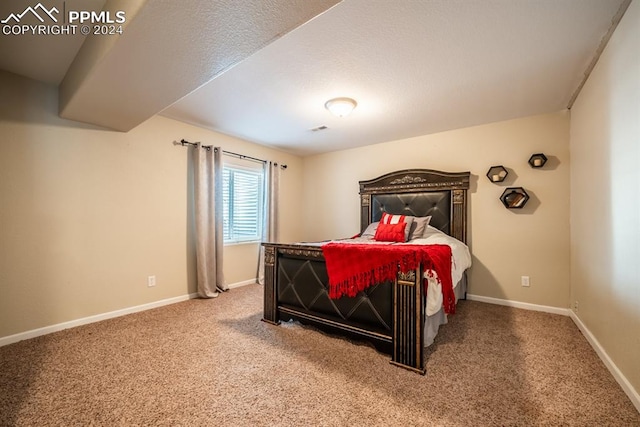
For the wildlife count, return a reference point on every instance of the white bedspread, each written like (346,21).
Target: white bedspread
(461,260)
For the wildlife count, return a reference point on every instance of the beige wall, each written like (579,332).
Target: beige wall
(506,244)
(605,193)
(87,214)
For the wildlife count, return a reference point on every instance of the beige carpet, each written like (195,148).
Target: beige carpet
(213,363)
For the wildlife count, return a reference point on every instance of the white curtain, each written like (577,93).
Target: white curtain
(270,212)
(208,210)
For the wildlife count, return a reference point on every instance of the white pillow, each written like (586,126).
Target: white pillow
(418,226)
(370,231)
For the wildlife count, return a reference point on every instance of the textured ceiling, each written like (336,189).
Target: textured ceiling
(415,67)
(169,49)
(262,70)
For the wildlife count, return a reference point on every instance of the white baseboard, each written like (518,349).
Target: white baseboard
(617,374)
(104,316)
(243,283)
(91,319)
(517,304)
(631,392)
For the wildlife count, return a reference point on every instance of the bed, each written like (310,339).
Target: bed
(393,314)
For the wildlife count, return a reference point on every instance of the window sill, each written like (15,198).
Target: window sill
(250,242)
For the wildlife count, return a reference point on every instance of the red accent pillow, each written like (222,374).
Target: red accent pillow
(391,232)
(392,219)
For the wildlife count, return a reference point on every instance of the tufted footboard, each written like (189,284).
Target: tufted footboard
(390,315)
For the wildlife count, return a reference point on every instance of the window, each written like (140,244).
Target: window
(242,194)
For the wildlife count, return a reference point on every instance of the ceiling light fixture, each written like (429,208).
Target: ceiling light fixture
(340,106)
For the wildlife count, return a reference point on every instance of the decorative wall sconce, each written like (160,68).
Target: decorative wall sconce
(514,198)
(497,173)
(537,160)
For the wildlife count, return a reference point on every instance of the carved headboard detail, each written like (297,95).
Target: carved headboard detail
(418,192)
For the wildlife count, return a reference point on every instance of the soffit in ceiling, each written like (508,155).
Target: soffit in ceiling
(45,58)
(167,50)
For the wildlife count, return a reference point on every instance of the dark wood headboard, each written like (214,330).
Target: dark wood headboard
(418,192)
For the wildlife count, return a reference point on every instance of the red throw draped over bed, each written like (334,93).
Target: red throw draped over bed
(354,267)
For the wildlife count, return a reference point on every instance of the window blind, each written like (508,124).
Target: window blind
(242,204)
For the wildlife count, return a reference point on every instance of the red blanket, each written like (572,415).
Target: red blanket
(354,267)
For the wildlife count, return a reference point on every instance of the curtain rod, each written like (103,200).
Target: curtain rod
(184,142)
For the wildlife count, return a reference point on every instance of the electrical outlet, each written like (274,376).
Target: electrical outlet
(151,281)
(524,280)
(575,306)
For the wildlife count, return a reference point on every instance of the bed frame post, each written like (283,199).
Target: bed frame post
(270,296)
(459,214)
(365,210)
(408,321)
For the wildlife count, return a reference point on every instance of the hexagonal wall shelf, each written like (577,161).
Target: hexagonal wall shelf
(514,198)
(537,160)
(497,173)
